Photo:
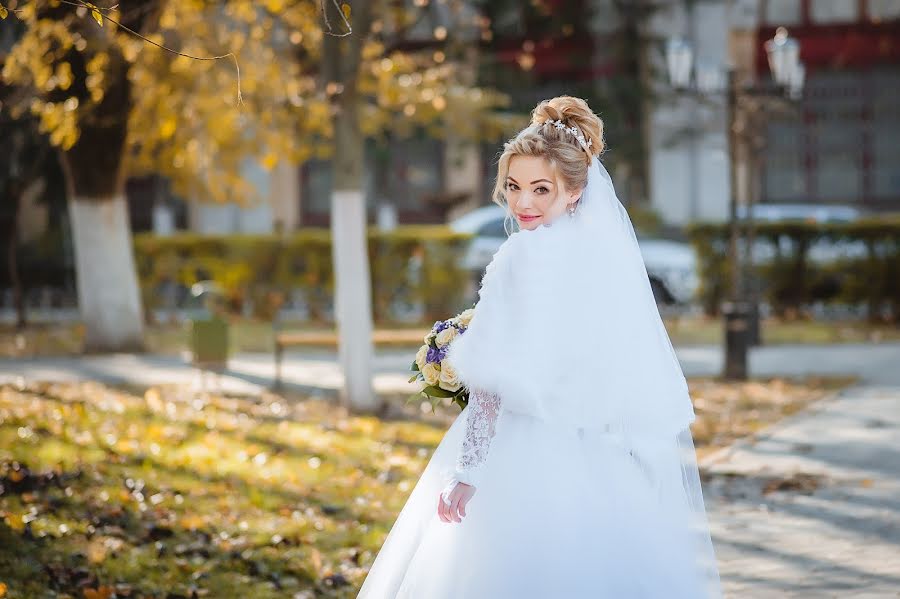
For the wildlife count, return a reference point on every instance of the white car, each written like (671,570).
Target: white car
(671,265)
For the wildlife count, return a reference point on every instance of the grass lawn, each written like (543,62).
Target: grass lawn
(168,493)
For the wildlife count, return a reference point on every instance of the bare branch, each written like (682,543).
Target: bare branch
(343,17)
(82,4)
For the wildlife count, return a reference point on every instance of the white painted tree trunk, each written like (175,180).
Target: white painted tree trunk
(353,300)
(108,294)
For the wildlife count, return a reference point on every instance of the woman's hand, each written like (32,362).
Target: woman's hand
(458,498)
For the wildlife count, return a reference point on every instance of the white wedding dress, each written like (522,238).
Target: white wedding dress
(575,437)
(587,526)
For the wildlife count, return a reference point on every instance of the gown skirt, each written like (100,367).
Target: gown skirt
(559,513)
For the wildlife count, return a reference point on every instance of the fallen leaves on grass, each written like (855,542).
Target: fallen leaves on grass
(169,492)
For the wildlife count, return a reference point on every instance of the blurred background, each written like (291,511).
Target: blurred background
(241,194)
(288,194)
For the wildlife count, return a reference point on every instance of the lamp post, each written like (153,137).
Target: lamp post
(745,102)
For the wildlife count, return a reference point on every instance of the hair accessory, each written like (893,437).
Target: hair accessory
(574,131)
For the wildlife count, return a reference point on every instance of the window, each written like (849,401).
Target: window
(785,177)
(416,172)
(883,10)
(783,12)
(843,148)
(316,185)
(884,131)
(405,173)
(834,11)
(835,105)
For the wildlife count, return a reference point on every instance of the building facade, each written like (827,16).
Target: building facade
(840,145)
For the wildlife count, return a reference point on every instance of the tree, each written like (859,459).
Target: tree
(28,152)
(353,299)
(116,104)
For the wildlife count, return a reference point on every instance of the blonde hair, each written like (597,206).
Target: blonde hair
(559,147)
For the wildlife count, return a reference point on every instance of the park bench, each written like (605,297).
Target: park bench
(388,337)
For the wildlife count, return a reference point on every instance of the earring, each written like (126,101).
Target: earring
(571,209)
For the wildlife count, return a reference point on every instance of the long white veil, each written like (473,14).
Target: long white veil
(567,329)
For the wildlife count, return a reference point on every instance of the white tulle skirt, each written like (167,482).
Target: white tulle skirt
(574,514)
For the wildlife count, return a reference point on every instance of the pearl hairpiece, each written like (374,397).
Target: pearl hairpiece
(573,130)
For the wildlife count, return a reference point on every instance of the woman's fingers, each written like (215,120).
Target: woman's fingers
(441,508)
(462,504)
(454,504)
(459,497)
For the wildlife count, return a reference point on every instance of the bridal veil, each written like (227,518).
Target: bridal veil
(567,330)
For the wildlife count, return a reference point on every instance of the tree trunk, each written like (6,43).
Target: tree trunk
(353,307)
(353,296)
(108,293)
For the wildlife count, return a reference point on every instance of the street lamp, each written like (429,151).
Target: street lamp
(680,60)
(783,53)
(745,104)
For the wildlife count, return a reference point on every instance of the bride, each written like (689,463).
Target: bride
(571,473)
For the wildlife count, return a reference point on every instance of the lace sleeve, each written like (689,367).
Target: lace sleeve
(481,423)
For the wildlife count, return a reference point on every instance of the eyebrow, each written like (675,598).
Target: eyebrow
(532,183)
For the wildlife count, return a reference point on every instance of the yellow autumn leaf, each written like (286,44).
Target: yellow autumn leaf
(2,584)
(96,551)
(168,128)
(192,522)
(3,15)
(15,522)
(316,558)
(97,17)
(346,9)
(269,161)
(103,592)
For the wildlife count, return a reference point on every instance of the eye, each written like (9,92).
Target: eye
(541,189)
(512,186)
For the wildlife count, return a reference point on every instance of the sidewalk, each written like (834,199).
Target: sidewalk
(833,527)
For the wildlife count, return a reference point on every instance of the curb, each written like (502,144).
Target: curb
(722,455)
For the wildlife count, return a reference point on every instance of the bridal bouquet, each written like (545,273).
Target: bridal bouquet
(431,367)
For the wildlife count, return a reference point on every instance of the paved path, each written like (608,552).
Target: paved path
(833,530)
(317,370)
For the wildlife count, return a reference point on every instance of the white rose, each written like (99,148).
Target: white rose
(421,356)
(431,373)
(466,317)
(446,336)
(428,338)
(449,377)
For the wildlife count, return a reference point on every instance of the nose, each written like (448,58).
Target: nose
(525,200)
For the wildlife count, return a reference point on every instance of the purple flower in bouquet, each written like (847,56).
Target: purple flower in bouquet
(435,355)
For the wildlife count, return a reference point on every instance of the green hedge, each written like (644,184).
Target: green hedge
(792,280)
(262,269)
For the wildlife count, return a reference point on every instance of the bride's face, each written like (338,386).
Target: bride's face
(534,192)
